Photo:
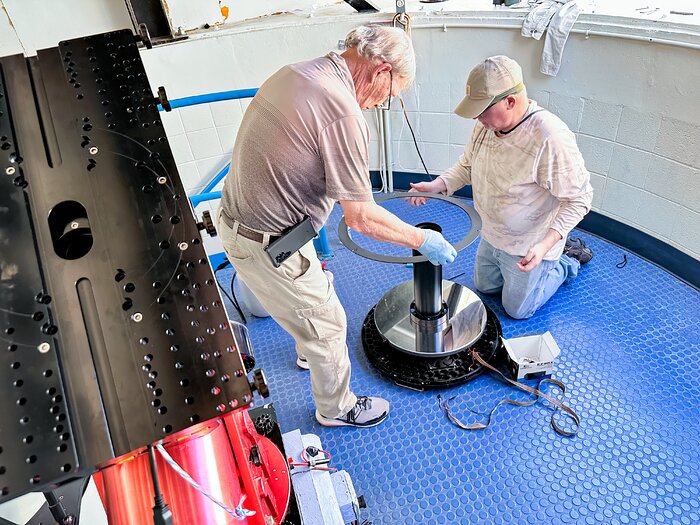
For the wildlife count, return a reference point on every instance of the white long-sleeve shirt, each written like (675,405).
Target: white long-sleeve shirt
(525,183)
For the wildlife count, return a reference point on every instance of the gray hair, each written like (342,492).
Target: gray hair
(389,44)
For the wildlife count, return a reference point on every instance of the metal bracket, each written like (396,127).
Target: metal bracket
(207,224)
(162,99)
(260,384)
(145,36)
(400,7)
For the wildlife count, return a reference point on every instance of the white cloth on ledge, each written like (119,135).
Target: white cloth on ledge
(556,17)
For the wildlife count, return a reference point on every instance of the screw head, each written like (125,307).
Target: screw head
(137,317)
(74,225)
(44,347)
(93,150)
(10,170)
(183,246)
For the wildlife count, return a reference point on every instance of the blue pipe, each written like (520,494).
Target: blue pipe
(201,197)
(211,97)
(321,243)
(213,182)
(323,250)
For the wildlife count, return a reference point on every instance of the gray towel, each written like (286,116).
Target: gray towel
(556,17)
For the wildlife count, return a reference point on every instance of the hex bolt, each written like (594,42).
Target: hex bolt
(44,347)
(162,180)
(183,246)
(10,170)
(93,150)
(137,317)
(74,225)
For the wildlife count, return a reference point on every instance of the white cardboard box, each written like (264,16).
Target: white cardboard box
(531,356)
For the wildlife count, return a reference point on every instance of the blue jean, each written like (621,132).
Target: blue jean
(523,293)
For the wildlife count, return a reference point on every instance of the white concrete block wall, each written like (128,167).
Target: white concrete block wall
(201,138)
(638,134)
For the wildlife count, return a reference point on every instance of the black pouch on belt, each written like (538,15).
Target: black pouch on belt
(290,241)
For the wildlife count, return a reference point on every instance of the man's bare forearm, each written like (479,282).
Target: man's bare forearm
(551,238)
(374,221)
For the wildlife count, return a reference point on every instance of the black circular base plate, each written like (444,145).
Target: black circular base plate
(422,373)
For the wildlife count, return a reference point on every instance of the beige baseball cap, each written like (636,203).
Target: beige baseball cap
(489,82)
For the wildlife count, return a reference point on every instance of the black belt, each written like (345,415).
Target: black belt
(253,235)
(247,232)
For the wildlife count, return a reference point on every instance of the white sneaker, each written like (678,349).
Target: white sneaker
(302,363)
(367,412)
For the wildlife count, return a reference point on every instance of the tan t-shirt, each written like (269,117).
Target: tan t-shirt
(303,144)
(525,183)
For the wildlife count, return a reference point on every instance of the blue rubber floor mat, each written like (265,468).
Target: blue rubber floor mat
(630,341)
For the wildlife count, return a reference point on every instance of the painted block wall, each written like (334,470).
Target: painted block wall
(202,137)
(627,102)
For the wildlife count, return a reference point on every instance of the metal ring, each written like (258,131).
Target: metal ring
(469,238)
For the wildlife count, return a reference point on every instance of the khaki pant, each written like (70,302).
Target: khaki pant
(299,297)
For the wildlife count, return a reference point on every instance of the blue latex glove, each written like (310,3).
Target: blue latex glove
(437,249)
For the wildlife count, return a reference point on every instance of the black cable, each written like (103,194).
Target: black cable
(403,107)
(233,300)
(622,263)
(161,510)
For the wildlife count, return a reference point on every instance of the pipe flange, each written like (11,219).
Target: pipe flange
(470,236)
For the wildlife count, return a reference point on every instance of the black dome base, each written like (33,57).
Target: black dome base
(423,373)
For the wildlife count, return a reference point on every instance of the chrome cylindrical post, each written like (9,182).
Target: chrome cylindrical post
(427,315)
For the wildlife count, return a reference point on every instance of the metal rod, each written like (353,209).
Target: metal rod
(586,32)
(388,153)
(427,302)
(427,287)
(382,148)
(58,511)
(427,282)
